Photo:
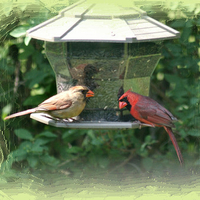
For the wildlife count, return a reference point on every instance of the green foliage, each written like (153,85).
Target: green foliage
(33,150)
(180,69)
(23,134)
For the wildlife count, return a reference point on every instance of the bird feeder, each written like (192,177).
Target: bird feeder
(108,48)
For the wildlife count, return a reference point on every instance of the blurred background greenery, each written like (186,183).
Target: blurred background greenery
(27,79)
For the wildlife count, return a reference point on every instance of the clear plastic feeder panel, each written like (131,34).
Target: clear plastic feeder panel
(108,69)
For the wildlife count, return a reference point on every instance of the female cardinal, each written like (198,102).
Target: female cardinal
(148,111)
(64,105)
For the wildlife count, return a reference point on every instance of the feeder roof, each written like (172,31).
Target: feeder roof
(98,22)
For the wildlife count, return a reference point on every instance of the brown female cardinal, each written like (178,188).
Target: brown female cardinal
(64,105)
(148,111)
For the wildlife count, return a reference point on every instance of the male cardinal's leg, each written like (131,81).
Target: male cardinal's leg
(144,124)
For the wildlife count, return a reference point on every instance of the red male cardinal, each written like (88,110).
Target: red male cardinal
(148,111)
(64,105)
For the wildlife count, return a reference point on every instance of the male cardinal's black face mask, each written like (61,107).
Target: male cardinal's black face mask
(124,103)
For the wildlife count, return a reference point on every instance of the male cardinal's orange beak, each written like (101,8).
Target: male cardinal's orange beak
(122,104)
(89,94)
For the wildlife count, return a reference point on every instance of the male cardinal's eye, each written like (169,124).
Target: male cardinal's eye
(124,99)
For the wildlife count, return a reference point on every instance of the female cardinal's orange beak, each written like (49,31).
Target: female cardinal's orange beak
(122,104)
(89,94)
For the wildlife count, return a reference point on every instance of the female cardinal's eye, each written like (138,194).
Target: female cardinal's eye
(84,92)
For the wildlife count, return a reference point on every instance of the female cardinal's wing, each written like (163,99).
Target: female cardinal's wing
(56,102)
(154,113)
(56,105)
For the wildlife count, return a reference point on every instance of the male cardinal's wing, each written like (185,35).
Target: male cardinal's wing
(153,114)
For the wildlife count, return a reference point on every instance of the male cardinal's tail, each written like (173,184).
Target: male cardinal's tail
(20,113)
(173,139)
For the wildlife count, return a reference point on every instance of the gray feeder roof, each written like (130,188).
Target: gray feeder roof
(87,22)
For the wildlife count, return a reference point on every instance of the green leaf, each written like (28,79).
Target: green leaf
(194,132)
(32,161)
(35,77)
(38,149)
(23,134)
(47,159)
(48,134)
(183,133)
(42,141)
(194,100)
(171,78)
(178,23)
(98,141)
(74,149)
(18,32)
(37,145)
(27,40)
(68,133)
(91,134)
(175,49)
(189,23)
(6,110)
(186,34)
(148,139)
(19,154)
(26,145)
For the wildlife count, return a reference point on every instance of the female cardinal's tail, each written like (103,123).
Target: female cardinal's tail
(21,113)
(173,139)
